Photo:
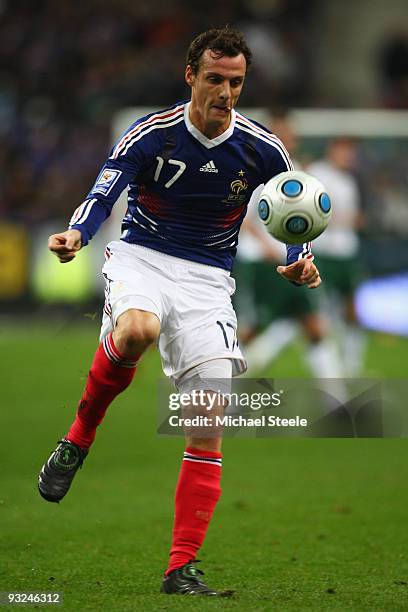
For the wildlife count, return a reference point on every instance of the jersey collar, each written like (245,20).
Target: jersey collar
(209,144)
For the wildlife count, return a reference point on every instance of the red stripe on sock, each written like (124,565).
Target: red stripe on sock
(114,355)
(113,349)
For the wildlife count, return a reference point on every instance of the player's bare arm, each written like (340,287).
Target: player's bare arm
(270,252)
(303,272)
(65,245)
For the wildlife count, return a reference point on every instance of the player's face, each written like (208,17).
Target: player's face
(215,90)
(283,130)
(343,155)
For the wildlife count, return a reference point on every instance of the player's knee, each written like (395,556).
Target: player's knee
(315,328)
(142,330)
(350,311)
(206,444)
(136,330)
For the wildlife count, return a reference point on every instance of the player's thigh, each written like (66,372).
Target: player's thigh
(196,343)
(132,293)
(276,298)
(244,299)
(202,324)
(269,293)
(314,326)
(282,298)
(340,275)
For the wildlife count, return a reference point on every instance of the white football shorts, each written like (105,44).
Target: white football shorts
(191,300)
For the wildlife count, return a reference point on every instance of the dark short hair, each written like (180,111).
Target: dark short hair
(344,139)
(222,41)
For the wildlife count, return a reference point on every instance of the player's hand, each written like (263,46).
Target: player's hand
(65,245)
(303,272)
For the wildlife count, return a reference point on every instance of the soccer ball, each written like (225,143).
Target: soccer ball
(295,207)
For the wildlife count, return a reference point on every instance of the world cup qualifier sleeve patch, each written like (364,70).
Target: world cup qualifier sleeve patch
(106,180)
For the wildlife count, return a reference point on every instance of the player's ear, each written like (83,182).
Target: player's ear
(189,75)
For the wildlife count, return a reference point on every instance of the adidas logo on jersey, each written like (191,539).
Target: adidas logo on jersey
(209,167)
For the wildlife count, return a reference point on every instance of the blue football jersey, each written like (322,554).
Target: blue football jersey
(187,194)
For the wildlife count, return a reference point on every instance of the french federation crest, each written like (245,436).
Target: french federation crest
(238,189)
(238,186)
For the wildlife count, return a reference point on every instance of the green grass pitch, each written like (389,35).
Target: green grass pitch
(301,525)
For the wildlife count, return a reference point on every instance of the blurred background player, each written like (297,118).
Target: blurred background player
(338,248)
(270,314)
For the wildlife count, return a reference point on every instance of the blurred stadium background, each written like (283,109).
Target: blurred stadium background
(70,76)
(67,72)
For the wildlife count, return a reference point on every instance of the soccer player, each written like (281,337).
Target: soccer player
(190,171)
(339,247)
(268,312)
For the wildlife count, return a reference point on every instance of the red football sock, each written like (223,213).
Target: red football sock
(197,493)
(110,374)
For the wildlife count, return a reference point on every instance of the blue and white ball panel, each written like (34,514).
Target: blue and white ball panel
(292,188)
(297,225)
(325,202)
(263,210)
